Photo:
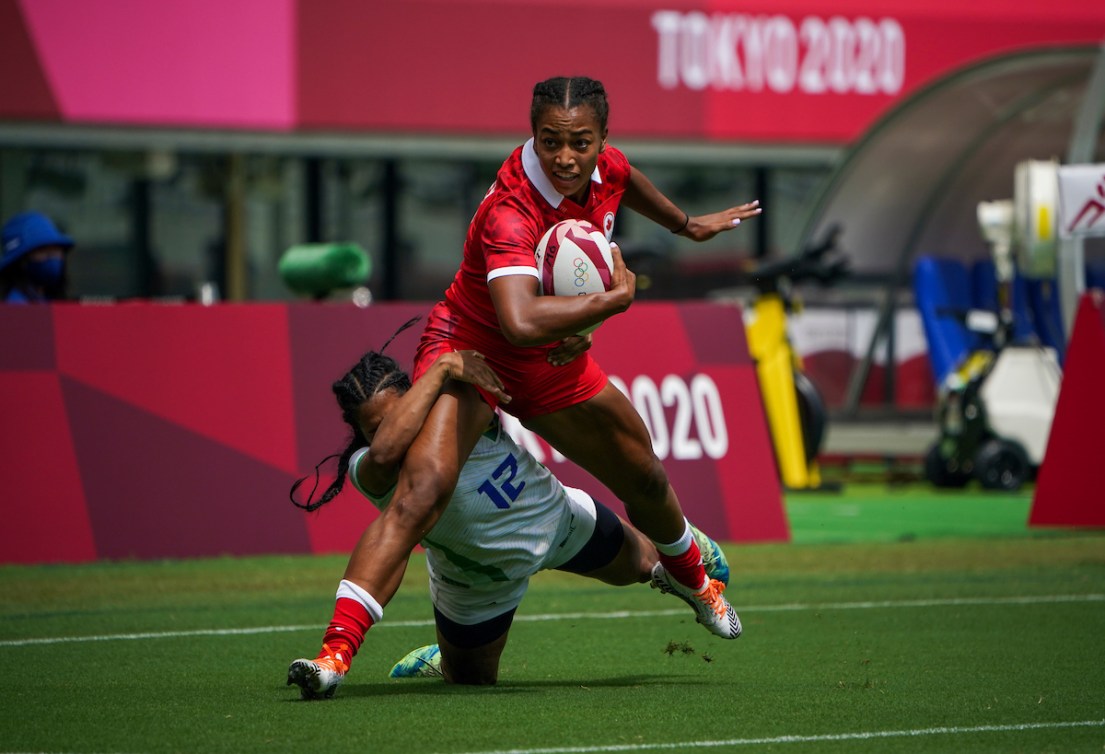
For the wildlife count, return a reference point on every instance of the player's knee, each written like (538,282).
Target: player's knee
(470,675)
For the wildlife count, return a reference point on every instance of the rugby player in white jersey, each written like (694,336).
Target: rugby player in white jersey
(508,518)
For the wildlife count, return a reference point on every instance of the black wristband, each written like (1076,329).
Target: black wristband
(683,227)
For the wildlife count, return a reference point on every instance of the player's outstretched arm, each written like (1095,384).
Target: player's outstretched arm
(643,197)
(402,423)
(705,227)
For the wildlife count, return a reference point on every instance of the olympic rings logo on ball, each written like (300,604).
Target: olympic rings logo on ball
(581,271)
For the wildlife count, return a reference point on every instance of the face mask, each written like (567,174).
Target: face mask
(46,273)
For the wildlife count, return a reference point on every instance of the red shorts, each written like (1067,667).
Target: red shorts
(535,386)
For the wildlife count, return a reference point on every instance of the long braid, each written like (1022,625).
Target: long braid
(373,374)
(569,92)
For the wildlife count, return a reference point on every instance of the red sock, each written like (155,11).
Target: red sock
(347,629)
(686,568)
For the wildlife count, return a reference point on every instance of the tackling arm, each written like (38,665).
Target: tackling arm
(379,470)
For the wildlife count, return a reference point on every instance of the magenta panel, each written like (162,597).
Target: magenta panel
(158,490)
(799,71)
(28,337)
(716,332)
(203,62)
(220,371)
(750,490)
(43,503)
(24,88)
(486,58)
(177,431)
(1068,488)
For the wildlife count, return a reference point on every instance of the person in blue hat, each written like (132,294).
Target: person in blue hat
(32,260)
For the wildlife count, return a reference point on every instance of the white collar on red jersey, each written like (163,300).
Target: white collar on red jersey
(537,176)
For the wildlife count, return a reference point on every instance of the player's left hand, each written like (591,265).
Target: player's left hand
(705,227)
(569,350)
(470,366)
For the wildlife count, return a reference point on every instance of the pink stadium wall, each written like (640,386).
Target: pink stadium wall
(793,71)
(164,431)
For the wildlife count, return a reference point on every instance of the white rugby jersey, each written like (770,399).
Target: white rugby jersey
(509,517)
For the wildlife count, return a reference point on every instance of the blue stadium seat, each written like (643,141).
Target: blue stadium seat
(1095,274)
(942,292)
(945,288)
(984,295)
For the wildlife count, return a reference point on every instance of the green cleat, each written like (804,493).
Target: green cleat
(422,662)
(713,559)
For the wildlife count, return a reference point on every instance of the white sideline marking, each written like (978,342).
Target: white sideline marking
(859,736)
(615,615)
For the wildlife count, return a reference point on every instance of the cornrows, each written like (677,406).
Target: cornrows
(566,92)
(374,373)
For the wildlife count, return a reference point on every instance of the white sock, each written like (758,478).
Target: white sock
(351,591)
(679,546)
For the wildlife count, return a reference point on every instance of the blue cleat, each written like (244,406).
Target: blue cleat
(713,559)
(422,662)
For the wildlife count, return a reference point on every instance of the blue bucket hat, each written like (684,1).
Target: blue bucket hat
(28,231)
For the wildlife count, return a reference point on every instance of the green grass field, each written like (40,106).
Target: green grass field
(897,620)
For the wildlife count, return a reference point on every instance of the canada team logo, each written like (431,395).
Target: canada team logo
(608,225)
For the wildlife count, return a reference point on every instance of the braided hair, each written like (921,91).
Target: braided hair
(373,374)
(569,92)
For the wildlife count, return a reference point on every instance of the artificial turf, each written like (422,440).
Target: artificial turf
(903,636)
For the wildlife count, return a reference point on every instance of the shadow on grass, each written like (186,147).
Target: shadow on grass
(437,687)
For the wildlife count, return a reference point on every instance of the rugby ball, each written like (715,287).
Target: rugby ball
(573,259)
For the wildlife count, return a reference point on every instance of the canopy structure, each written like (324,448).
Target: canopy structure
(912,184)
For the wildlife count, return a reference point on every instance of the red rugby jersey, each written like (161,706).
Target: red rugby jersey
(520,206)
